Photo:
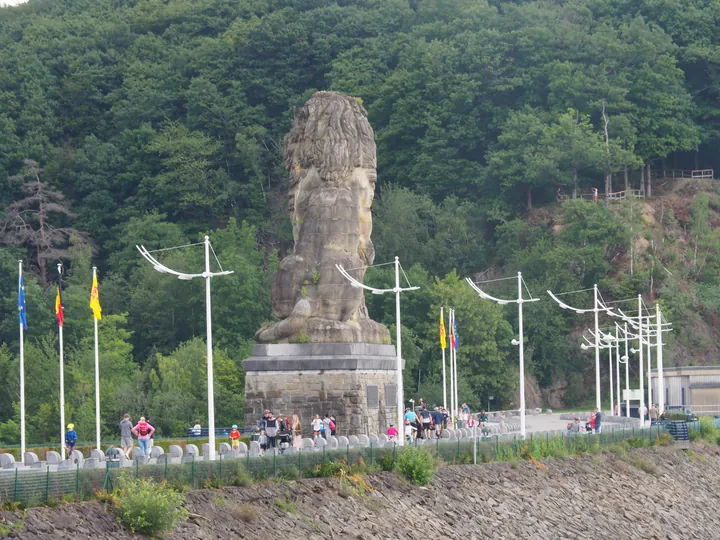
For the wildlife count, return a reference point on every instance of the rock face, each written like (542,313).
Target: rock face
(597,497)
(330,155)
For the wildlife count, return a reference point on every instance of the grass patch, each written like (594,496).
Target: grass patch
(644,465)
(244,512)
(286,504)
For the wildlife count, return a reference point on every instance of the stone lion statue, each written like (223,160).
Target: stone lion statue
(330,155)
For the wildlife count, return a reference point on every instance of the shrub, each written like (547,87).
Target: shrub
(387,462)
(244,512)
(242,479)
(148,507)
(644,465)
(327,469)
(286,504)
(708,429)
(693,434)
(417,465)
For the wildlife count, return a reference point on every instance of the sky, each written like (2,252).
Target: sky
(4,3)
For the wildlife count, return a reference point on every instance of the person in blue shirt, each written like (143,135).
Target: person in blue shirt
(410,416)
(70,439)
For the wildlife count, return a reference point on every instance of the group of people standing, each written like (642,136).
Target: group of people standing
(593,425)
(426,422)
(271,429)
(143,430)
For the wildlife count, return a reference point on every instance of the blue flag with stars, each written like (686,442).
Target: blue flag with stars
(21,303)
(455,333)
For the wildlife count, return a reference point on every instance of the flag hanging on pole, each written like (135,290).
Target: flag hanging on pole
(22,308)
(443,343)
(453,334)
(58,304)
(95,299)
(455,338)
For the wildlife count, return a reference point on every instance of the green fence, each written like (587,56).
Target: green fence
(32,488)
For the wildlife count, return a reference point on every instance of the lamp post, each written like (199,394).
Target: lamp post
(397,290)
(596,309)
(517,342)
(206,275)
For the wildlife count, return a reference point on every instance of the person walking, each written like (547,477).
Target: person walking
(151,440)
(392,433)
(317,425)
(597,426)
(333,426)
(234,436)
(143,431)
(70,440)
(271,430)
(326,426)
(297,432)
(126,440)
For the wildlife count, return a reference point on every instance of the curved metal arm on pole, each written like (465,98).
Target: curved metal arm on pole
(500,301)
(180,275)
(576,310)
(357,284)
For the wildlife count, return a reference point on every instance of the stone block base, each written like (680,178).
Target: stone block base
(354,382)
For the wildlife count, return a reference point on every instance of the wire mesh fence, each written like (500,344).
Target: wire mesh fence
(37,487)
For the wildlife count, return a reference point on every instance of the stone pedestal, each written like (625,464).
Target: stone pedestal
(354,382)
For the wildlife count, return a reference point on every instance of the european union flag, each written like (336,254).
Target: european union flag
(455,333)
(22,310)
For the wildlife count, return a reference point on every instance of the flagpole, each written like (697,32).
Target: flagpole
(452,378)
(62,375)
(457,402)
(442,318)
(22,373)
(97,374)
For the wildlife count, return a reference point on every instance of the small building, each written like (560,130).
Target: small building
(695,387)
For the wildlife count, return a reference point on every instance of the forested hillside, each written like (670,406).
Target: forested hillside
(157,122)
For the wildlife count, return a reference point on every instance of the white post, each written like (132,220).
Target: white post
(627,375)
(62,380)
(442,317)
(649,365)
(452,376)
(642,382)
(400,397)
(97,376)
(661,380)
(474,442)
(617,370)
(22,375)
(522,357)
(610,366)
(455,368)
(211,390)
(598,402)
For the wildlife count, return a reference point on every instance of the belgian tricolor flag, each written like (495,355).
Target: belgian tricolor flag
(58,303)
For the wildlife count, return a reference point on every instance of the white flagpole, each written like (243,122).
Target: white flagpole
(457,403)
(610,367)
(627,375)
(660,377)
(617,371)
(62,379)
(97,376)
(649,366)
(452,377)
(442,318)
(22,377)
(642,365)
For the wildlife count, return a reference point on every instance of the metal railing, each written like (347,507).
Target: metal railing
(45,486)
(685,173)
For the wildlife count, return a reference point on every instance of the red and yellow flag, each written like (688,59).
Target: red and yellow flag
(58,306)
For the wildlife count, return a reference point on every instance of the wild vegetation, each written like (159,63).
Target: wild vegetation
(154,122)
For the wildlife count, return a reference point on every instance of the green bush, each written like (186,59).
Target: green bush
(417,465)
(327,469)
(708,429)
(148,507)
(387,462)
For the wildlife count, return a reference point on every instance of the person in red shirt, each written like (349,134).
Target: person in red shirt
(392,433)
(235,438)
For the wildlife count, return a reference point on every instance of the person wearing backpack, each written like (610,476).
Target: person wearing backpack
(143,431)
